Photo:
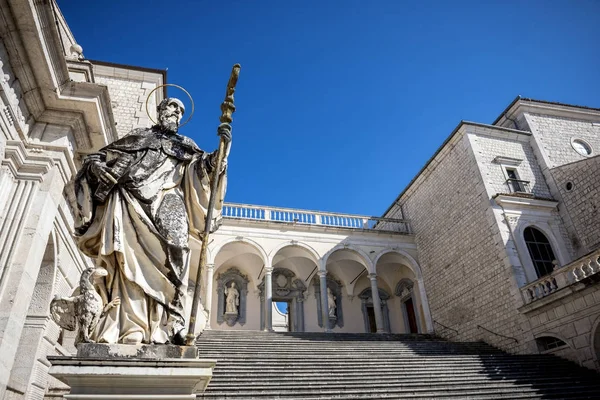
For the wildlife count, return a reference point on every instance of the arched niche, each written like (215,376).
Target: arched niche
(336,288)
(286,287)
(224,281)
(366,297)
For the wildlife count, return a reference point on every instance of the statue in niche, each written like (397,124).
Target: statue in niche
(232,300)
(331,303)
(137,200)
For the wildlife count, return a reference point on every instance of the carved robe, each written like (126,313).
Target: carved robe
(139,233)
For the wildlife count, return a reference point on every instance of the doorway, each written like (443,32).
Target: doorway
(282,317)
(371,317)
(411,317)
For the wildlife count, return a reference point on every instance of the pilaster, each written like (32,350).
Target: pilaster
(34,187)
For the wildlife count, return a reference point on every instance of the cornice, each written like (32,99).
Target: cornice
(32,40)
(550,109)
(25,165)
(514,202)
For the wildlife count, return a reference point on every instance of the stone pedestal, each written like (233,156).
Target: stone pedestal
(153,372)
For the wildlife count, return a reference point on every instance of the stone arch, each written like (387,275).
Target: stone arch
(294,243)
(412,263)
(545,228)
(252,243)
(368,264)
(286,286)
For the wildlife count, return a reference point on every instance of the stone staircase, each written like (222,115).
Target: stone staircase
(265,365)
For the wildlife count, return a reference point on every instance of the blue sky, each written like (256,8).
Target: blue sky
(340,103)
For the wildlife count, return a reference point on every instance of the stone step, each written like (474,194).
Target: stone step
(406,372)
(333,381)
(465,391)
(266,365)
(362,360)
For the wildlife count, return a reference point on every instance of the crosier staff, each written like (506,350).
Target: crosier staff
(227,110)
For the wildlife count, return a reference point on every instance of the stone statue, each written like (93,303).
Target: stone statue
(138,199)
(232,300)
(84,310)
(331,302)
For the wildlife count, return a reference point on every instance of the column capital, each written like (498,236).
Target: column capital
(268,270)
(373,276)
(322,274)
(210,266)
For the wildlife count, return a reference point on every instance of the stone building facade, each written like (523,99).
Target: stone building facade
(462,270)
(512,256)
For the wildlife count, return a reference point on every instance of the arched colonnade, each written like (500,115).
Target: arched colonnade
(343,287)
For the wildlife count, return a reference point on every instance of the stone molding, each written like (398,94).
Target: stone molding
(29,30)
(366,298)
(24,165)
(404,289)
(233,274)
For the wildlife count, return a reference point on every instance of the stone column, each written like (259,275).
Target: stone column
(268,299)
(324,301)
(376,304)
(210,271)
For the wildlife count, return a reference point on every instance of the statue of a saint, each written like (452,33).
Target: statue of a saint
(138,199)
(232,301)
(331,302)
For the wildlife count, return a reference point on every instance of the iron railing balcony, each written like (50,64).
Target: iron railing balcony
(518,186)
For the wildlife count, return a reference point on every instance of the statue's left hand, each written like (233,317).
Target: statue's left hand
(224,131)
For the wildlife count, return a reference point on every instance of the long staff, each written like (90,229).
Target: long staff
(227,109)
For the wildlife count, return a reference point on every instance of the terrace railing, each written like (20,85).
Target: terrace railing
(571,273)
(317,218)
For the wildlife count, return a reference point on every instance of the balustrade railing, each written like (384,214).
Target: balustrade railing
(571,273)
(305,217)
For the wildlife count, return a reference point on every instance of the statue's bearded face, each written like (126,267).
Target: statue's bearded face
(170,113)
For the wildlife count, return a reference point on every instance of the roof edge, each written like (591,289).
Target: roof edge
(528,99)
(448,139)
(162,72)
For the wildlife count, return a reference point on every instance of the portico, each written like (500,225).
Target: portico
(340,273)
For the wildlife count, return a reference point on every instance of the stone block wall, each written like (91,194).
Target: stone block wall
(579,186)
(462,258)
(488,148)
(575,320)
(129,88)
(554,135)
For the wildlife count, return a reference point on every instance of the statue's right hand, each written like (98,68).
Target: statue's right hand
(102,172)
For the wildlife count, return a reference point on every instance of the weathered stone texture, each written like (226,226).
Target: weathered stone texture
(466,278)
(129,102)
(488,148)
(581,201)
(554,135)
(572,320)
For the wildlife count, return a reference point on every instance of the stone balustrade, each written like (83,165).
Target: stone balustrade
(318,218)
(571,273)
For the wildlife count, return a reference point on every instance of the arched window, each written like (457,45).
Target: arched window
(540,251)
(546,343)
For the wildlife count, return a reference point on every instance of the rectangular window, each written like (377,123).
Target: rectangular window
(514,183)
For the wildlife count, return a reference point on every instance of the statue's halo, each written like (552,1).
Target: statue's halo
(178,87)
